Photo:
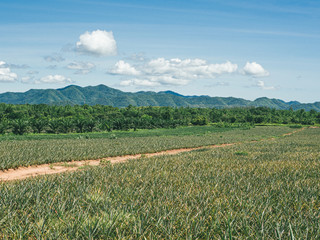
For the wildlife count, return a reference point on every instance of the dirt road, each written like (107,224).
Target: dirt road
(55,168)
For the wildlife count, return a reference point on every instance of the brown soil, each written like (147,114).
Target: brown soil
(45,169)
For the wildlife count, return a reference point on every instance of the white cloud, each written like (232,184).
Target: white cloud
(54,79)
(262,85)
(154,81)
(123,68)
(188,68)
(255,70)
(5,73)
(168,80)
(99,43)
(81,67)
(139,82)
(174,71)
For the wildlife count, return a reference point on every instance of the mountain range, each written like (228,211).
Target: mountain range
(101,94)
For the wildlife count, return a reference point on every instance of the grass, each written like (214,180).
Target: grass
(239,153)
(15,153)
(180,131)
(271,193)
(296,126)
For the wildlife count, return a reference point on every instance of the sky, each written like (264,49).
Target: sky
(247,49)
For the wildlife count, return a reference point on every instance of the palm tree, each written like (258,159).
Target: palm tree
(80,124)
(90,124)
(20,126)
(66,125)
(54,125)
(4,125)
(38,124)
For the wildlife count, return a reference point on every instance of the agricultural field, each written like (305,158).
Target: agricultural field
(26,152)
(255,190)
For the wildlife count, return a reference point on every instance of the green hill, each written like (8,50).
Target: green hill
(101,94)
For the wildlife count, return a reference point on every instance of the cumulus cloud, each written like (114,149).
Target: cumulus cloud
(54,58)
(139,82)
(173,71)
(255,70)
(123,68)
(54,79)
(188,68)
(81,67)
(262,85)
(168,80)
(5,73)
(98,43)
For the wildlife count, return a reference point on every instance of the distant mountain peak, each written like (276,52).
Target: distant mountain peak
(68,87)
(104,95)
(172,93)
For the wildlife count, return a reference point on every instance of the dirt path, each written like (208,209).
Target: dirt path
(55,168)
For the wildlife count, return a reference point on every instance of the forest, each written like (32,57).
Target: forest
(42,118)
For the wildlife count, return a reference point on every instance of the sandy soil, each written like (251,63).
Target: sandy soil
(55,168)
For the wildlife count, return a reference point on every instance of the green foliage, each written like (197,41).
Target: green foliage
(67,119)
(103,95)
(239,153)
(38,124)
(19,126)
(200,120)
(4,126)
(66,125)
(54,125)
(295,126)
(80,124)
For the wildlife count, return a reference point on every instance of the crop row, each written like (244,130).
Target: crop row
(258,190)
(30,152)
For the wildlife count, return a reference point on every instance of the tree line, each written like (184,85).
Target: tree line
(41,118)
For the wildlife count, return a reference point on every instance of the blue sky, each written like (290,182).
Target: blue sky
(246,49)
